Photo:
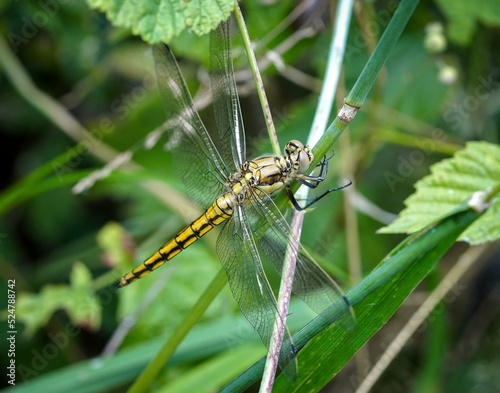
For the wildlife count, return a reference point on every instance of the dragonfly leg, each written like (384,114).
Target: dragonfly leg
(313,181)
(311,202)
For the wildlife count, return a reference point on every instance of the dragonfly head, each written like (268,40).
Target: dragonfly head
(301,156)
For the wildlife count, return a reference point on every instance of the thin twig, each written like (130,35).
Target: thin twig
(129,321)
(448,282)
(280,27)
(353,243)
(258,80)
(274,57)
(323,110)
(49,107)
(62,118)
(364,205)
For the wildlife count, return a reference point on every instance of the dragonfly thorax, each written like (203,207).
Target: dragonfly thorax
(264,174)
(269,174)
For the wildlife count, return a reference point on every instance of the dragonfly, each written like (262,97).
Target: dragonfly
(236,194)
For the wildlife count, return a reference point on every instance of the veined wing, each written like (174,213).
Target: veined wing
(196,159)
(311,283)
(237,250)
(225,98)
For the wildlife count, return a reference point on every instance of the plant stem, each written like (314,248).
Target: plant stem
(49,107)
(143,382)
(323,110)
(359,92)
(447,283)
(361,88)
(273,137)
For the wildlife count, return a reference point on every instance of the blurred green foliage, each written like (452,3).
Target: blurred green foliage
(424,103)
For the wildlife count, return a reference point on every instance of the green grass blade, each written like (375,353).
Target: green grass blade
(375,299)
(364,83)
(222,338)
(208,376)
(155,366)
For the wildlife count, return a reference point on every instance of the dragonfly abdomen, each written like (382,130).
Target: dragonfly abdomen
(218,212)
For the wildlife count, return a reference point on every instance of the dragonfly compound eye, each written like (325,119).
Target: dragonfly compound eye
(293,148)
(304,158)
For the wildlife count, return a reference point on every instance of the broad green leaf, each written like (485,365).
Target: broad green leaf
(160,21)
(472,169)
(464,15)
(77,299)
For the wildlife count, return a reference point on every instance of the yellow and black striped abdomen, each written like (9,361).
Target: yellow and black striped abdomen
(220,211)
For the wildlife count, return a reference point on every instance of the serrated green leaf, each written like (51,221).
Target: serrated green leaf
(162,20)
(464,15)
(474,168)
(79,302)
(34,310)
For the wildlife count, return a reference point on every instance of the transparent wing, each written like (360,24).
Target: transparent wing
(311,283)
(240,259)
(225,98)
(195,157)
